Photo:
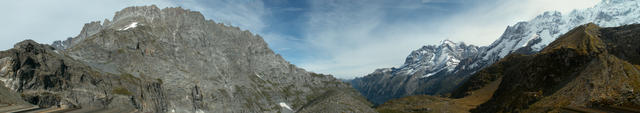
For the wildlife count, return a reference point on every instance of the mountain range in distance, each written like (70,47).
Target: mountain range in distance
(148,59)
(587,70)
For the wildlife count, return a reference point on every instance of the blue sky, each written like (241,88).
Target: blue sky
(345,38)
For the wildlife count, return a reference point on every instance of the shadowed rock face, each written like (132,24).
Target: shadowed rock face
(174,60)
(588,66)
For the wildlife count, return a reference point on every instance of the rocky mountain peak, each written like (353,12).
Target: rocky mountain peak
(25,44)
(174,60)
(147,12)
(430,52)
(585,39)
(588,66)
(448,43)
(430,62)
(549,15)
(87,30)
(447,54)
(174,19)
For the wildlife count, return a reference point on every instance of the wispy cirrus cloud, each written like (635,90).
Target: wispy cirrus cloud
(245,14)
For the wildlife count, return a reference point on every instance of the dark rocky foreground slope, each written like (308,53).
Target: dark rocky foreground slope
(168,60)
(588,67)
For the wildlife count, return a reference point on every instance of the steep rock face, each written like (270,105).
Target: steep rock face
(527,37)
(46,77)
(429,70)
(196,65)
(588,66)
(87,30)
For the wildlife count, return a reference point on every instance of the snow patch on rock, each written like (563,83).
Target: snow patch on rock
(130,26)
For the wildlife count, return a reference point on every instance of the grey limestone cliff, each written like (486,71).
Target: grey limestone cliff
(175,60)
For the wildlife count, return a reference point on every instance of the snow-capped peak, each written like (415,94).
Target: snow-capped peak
(545,28)
(432,59)
(435,61)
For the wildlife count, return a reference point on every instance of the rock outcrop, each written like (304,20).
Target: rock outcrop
(46,77)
